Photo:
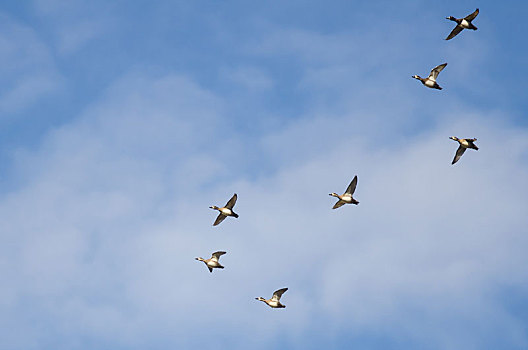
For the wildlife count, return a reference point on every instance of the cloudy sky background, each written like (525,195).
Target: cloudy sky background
(121,122)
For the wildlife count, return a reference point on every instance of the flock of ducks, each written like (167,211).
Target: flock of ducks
(347,197)
(430,81)
(227,210)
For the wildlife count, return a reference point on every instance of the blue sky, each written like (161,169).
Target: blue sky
(121,122)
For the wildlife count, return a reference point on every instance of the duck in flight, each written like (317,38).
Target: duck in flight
(346,198)
(225,211)
(274,302)
(430,81)
(213,262)
(462,23)
(464,144)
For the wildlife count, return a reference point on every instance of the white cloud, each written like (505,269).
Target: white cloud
(99,239)
(249,77)
(75,23)
(113,209)
(26,65)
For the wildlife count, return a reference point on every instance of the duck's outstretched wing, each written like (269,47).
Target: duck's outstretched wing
(219,219)
(217,255)
(436,70)
(472,16)
(339,204)
(278,293)
(352,187)
(454,32)
(231,202)
(460,151)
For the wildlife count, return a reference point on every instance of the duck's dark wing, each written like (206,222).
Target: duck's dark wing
(219,219)
(278,293)
(339,204)
(352,187)
(454,32)
(471,143)
(231,202)
(436,70)
(472,16)
(460,151)
(217,255)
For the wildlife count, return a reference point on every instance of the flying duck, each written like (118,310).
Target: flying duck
(430,81)
(346,198)
(464,144)
(462,23)
(213,262)
(225,211)
(274,302)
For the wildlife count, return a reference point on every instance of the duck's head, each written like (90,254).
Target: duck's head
(333,194)
(260,299)
(454,138)
(214,207)
(416,77)
(200,259)
(451,18)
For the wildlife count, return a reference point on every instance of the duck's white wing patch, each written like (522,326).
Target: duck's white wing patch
(278,293)
(460,151)
(436,70)
(454,32)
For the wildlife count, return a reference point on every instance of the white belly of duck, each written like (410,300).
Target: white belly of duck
(346,198)
(213,264)
(464,143)
(273,303)
(464,24)
(429,83)
(226,212)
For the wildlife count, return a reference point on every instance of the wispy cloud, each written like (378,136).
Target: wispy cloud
(74,24)
(27,67)
(99,234)
(249,77)
(114,210)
